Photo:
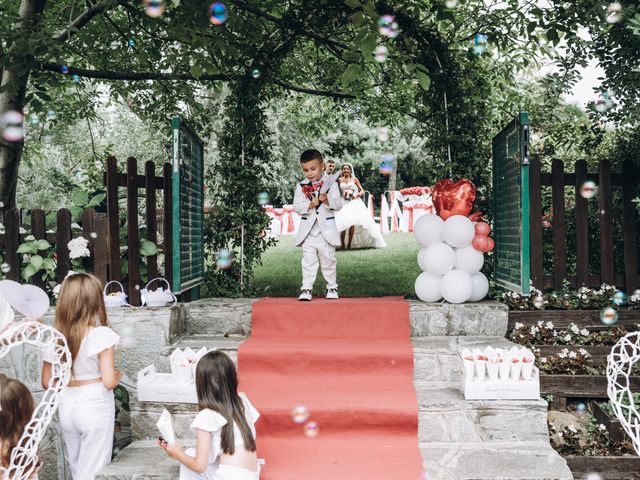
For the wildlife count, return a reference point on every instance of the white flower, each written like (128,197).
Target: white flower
(602,428)
(78,248)
(572,354)
(26,258)
(543,359)
(541,323)
(518,326)
(584,332)
(574,328)
(560,434)
(56,290)
(563,354)
(584,353)
(567,338)
(549,325)
(533,330)
(572,429)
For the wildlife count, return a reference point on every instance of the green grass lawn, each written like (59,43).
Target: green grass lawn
(361,273)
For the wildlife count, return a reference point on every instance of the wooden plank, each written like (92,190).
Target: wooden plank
(133,234)
(629,225)
(570,179)
(615,432)
(113,213)
(12,241)
(152,227)
(609,468)
(89,232)
(589,319)
(606,221)
(582,227)
(63,229)
(535,223)
(100,247)
(587,386)
(140,181)
(38,230)
(559,225)
(167,223)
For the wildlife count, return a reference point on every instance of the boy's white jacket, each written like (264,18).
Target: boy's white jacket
(325,215)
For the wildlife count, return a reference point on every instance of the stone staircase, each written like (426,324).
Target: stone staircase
(458,439)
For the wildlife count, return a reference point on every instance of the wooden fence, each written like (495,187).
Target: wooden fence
(102,230)
(625,187)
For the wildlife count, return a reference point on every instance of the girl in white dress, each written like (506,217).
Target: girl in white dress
(354,217)
(224,427)
(16,408)
(86,409)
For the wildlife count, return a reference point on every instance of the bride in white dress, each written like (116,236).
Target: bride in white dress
(354,217)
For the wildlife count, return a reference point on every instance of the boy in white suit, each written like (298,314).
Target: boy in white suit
(317,233)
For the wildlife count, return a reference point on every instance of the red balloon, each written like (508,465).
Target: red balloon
(454,198)
(483,228)
(490,245)
(480,242)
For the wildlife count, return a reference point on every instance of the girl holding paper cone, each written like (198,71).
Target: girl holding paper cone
(87,409)
(224,427)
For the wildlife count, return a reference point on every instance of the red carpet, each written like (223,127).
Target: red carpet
(350,362)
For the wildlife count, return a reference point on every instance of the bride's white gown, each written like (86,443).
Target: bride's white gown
(355,213)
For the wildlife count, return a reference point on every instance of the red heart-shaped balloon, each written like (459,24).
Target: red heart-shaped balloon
(453,198)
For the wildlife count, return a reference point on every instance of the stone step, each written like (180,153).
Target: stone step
(497,460)
(220,316)
(144,460)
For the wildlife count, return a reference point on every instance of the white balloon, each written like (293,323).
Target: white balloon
(428,287)
(428,229)
(438,258)
(469,259)
(29,300)
(421,254)
(479,287)
(456,286)
(458,231)
(6,313)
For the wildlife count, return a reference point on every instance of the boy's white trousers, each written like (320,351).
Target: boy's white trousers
(315,246)
(86,415)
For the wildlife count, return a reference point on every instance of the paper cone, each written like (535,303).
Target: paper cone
(504,367)
(481,366)
(165,425)
(516,369)
(469,368)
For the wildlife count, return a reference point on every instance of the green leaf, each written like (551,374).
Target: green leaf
(353,3)
(28,272)
(43,245)
(350,74)
(368,45)
(76,212)
(357,18)
(36,262)
(24,248)
(196,70)
(96,200)
(424,80)
(49,264)
(148,248)
(80,198)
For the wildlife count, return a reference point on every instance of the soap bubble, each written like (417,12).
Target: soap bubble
(131,42)
(51,114)
(263,198)
(383,134)
(76,78)
(479,44)
(80,175)
(154,8)
(11,127)
(588,189)
(388,27)
(33,119)
(5,268)
(451,3)
(619,298)
(93,235)
(604,102)
(581,408)
(381,53)
(311,430)
(224,259)
(64,69)
(614,12)
(255,73)
(217,13)
(300,414)
(386,163)
(609,316)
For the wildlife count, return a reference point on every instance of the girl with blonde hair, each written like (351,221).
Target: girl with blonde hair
(87,410)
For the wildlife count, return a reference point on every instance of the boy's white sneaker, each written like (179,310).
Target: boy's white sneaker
(305,296)
(332,294)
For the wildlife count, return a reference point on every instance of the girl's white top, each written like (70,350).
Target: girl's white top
(211,421)
(86,366)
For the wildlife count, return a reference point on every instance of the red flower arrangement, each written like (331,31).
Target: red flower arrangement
(309,189)
(415,190)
